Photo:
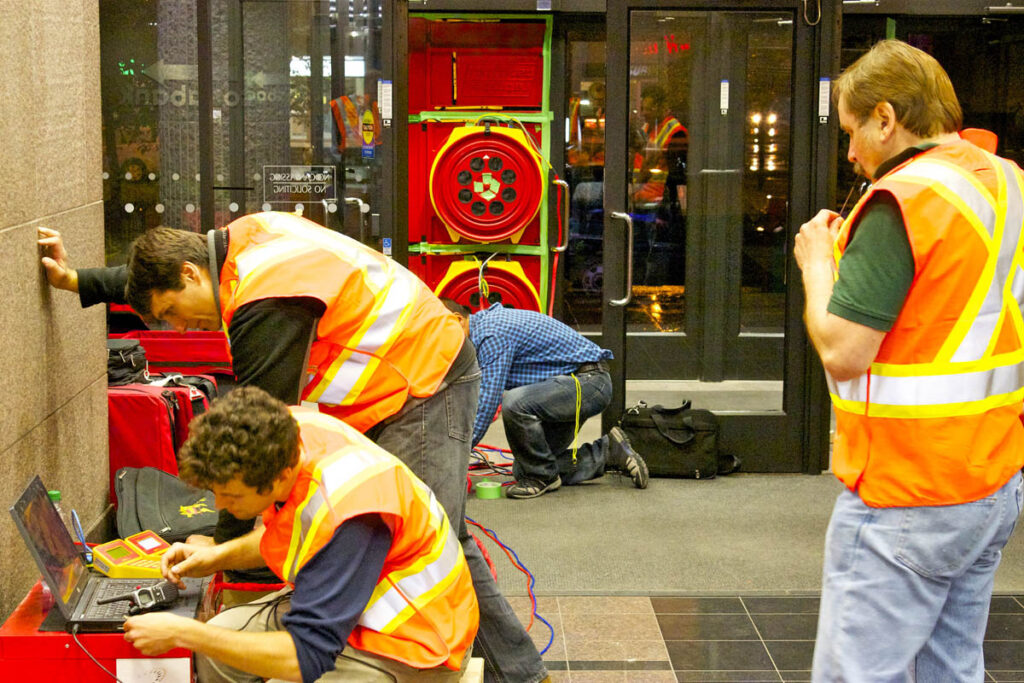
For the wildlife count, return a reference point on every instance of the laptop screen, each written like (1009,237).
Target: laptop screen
(50,543)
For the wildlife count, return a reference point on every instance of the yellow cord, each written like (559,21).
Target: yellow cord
(576,431)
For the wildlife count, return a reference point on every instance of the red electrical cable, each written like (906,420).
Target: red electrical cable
(511,558)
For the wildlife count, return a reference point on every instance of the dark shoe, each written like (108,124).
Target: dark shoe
(531,488)
(622,457)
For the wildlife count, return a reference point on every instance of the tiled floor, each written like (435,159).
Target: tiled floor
(742,638)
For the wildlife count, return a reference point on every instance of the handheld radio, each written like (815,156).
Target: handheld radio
(146,599)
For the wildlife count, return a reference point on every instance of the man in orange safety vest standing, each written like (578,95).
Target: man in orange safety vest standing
(914,304)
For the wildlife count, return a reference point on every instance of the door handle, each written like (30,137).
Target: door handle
(565,219)
(363,208)
(629,259)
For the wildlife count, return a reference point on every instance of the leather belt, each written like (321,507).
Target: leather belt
(592,367)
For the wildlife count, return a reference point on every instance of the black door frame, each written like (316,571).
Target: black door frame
(801,428)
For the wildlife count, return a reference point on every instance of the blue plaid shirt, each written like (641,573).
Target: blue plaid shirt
(516,347)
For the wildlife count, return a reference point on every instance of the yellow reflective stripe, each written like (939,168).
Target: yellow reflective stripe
(946,368)
(351,370)
(397,599)
(666,132)
(980,339)
(333,478)
(299,530)
(948,410)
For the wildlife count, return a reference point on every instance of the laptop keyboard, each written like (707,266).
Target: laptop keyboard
(108,589)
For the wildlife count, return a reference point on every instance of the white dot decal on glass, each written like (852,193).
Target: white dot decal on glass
(190,207)
(152,176)
(197,177)
(299,207)
(129,207)
(220,177)
(175,176)
(265,207)
(256,176)
(331,208)
(233,206)
(127,176)
(106,176)
(159,208)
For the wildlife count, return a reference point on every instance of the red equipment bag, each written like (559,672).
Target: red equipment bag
(142,420)
(149,422)
(195,352)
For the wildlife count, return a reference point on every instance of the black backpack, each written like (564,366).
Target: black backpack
(148,498)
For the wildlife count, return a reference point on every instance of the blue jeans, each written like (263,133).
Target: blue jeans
(540,423)
(440,457)
(906,591)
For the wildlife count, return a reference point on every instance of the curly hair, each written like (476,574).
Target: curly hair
(155,259)
(246,432)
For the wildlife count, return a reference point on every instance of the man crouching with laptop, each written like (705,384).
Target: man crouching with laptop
(377,585)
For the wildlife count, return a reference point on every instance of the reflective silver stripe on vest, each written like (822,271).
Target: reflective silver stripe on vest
(376,267)
(932,389)
(411,588)
(978,338)
(402,292)
(332,477)
(955,182)
(1017,287)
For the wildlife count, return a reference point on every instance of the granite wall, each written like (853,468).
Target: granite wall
(53,408)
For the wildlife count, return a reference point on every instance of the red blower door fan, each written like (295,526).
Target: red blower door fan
(486,183)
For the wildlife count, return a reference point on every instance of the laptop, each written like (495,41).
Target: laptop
(74,586)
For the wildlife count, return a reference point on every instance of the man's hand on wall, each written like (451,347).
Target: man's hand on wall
(55,260)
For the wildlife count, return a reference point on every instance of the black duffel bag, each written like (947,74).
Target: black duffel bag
(126,362)
(677,442)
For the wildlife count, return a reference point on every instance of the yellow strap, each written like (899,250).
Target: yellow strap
(576,430)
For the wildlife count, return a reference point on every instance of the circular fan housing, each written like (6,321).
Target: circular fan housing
(486,183)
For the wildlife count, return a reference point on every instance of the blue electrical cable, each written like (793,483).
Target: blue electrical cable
(529,586)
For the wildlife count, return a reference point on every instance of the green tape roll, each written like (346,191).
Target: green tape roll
(488,490)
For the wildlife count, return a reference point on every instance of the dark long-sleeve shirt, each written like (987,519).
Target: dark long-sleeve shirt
(332,589)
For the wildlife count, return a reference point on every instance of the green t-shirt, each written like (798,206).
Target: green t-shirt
(877,268)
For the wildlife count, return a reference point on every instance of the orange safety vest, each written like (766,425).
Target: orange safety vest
(348,118)
(653,160)
(936,418)
(423,611)
(384,335)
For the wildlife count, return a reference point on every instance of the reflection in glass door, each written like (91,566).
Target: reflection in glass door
(297,125)
(707,174)
(699,182)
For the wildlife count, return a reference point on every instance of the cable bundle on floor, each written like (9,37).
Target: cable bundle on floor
(517,563)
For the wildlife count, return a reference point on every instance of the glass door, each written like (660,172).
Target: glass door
(296,117)
(699,189)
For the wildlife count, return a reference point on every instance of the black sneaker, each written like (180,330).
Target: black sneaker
(531,488)
(622,457)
